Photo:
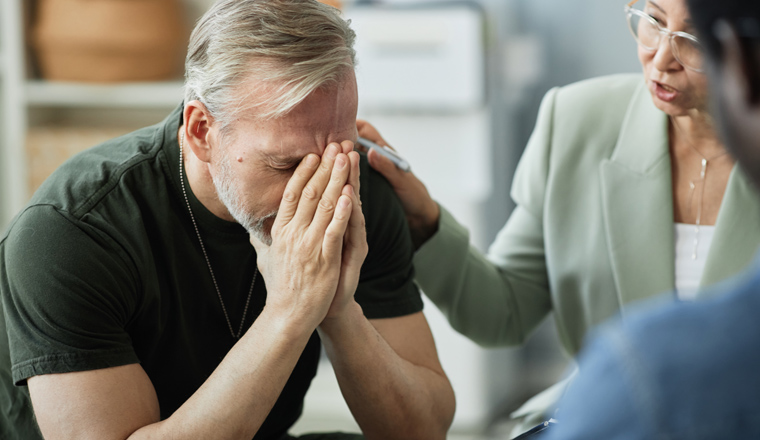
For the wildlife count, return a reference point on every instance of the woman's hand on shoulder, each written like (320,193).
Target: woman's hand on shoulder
(422,212)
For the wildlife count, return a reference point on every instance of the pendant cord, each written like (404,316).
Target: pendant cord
(237,335)
(692,185)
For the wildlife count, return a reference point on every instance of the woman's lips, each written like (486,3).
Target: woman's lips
(663,91)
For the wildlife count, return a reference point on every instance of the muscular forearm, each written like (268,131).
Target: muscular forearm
(389,396)
(237,397)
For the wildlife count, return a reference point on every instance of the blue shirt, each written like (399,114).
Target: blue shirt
(690,370)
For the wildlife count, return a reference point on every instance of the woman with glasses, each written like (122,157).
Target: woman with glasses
(624,191)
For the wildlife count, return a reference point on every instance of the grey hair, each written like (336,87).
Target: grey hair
(286,48)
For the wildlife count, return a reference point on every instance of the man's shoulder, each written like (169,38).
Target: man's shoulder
(84,179)
(377,195)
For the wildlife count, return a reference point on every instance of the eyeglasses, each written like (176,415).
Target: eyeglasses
(648,34)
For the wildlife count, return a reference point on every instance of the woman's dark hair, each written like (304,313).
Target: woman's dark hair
(744,15)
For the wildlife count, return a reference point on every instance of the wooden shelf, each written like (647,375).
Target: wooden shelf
(166,94)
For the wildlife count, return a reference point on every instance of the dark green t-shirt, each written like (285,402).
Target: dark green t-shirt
(104,268)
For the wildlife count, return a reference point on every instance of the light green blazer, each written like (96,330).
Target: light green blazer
(593,230)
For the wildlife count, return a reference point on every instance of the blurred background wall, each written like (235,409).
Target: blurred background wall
(482,68)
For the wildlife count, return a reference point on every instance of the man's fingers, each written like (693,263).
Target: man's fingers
(332,244)
(346,147)
(327,204)
(353,176)
(356,231)
(294,188)
(356,228)
(312,192)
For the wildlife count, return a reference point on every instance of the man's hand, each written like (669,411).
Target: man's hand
(421,211)
(355,241)
(303,265)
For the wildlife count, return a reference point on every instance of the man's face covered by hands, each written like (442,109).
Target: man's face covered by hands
(255,159)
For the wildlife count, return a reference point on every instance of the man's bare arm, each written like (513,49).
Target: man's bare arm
(119,403)
(390,376)
(388,369)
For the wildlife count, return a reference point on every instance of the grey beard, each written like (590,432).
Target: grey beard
(227,191)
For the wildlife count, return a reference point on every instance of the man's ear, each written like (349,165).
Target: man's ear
(197,129)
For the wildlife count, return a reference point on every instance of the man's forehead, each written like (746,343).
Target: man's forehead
(292,146)
(327,115)
(331,99)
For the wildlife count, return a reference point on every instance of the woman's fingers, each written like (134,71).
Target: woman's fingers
(388,169)
(421,210)
(368,131)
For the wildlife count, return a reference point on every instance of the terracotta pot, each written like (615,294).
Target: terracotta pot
(334,3)
(110,40)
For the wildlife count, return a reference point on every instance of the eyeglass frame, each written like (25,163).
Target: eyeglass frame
(629,10)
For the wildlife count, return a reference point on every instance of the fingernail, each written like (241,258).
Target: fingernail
(340,162)
(311,160)
(332,150)
(344,201)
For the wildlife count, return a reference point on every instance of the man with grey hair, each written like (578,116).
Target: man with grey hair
(176,282)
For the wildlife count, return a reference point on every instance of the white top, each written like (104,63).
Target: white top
(690,261)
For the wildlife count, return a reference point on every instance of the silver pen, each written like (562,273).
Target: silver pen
(401,164)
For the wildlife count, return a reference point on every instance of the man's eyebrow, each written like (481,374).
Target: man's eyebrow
(280,159)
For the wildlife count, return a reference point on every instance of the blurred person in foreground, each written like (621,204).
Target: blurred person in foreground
(688,371)
(176,282)
(624,191)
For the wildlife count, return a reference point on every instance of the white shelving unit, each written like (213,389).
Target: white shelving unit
(20,98)
(13,120)
(123,95)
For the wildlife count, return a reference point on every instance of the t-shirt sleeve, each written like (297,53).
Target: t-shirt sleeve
(386,285)
(67,294)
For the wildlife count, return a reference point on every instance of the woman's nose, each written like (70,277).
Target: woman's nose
(664,58)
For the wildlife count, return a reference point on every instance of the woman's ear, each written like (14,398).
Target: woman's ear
(197,129)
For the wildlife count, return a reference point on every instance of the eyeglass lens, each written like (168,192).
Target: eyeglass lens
(648,35)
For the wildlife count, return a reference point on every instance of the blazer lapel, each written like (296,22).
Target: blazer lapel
(737,230)
(638,204)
